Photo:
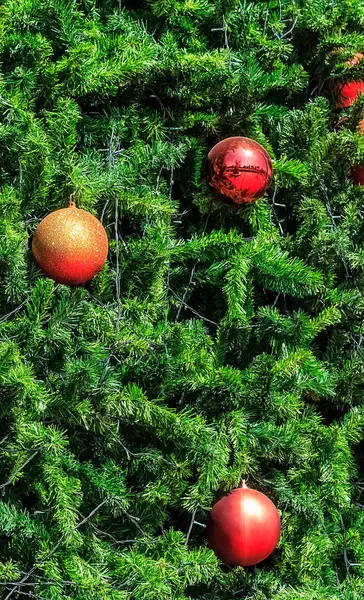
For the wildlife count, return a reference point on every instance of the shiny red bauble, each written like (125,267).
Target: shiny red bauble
(70,245)
(348,93)
(243,527)
(239,170)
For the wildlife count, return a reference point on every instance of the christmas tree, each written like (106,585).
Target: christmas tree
(218,342)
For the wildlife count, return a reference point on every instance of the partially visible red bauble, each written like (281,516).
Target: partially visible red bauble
(70,245)
(243,527)
(348,93)
(357,174)
(239,170)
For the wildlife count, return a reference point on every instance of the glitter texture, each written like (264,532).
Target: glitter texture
(70,245)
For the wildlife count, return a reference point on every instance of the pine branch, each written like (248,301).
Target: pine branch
(19,470)
(54,549)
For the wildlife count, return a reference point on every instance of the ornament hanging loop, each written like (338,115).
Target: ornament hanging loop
(243,485)
(72,203)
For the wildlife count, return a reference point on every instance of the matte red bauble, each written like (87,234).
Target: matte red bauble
(239,170)
(243,527)
(70,245)
(357,174)
(349,92)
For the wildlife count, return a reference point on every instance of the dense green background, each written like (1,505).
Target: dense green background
(217,343)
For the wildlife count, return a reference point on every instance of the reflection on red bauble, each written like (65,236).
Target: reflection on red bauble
(349,92)
(243,527)
(357,174)
(239,169)
(70,245)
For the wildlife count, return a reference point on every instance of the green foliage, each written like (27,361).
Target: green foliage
(217,343)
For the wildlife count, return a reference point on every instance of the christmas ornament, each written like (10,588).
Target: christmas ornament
(348,93)
(70,245)
(239,169)
(357,174)
(243,527)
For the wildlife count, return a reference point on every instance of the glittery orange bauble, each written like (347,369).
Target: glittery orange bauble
(70,245)
(239,169)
